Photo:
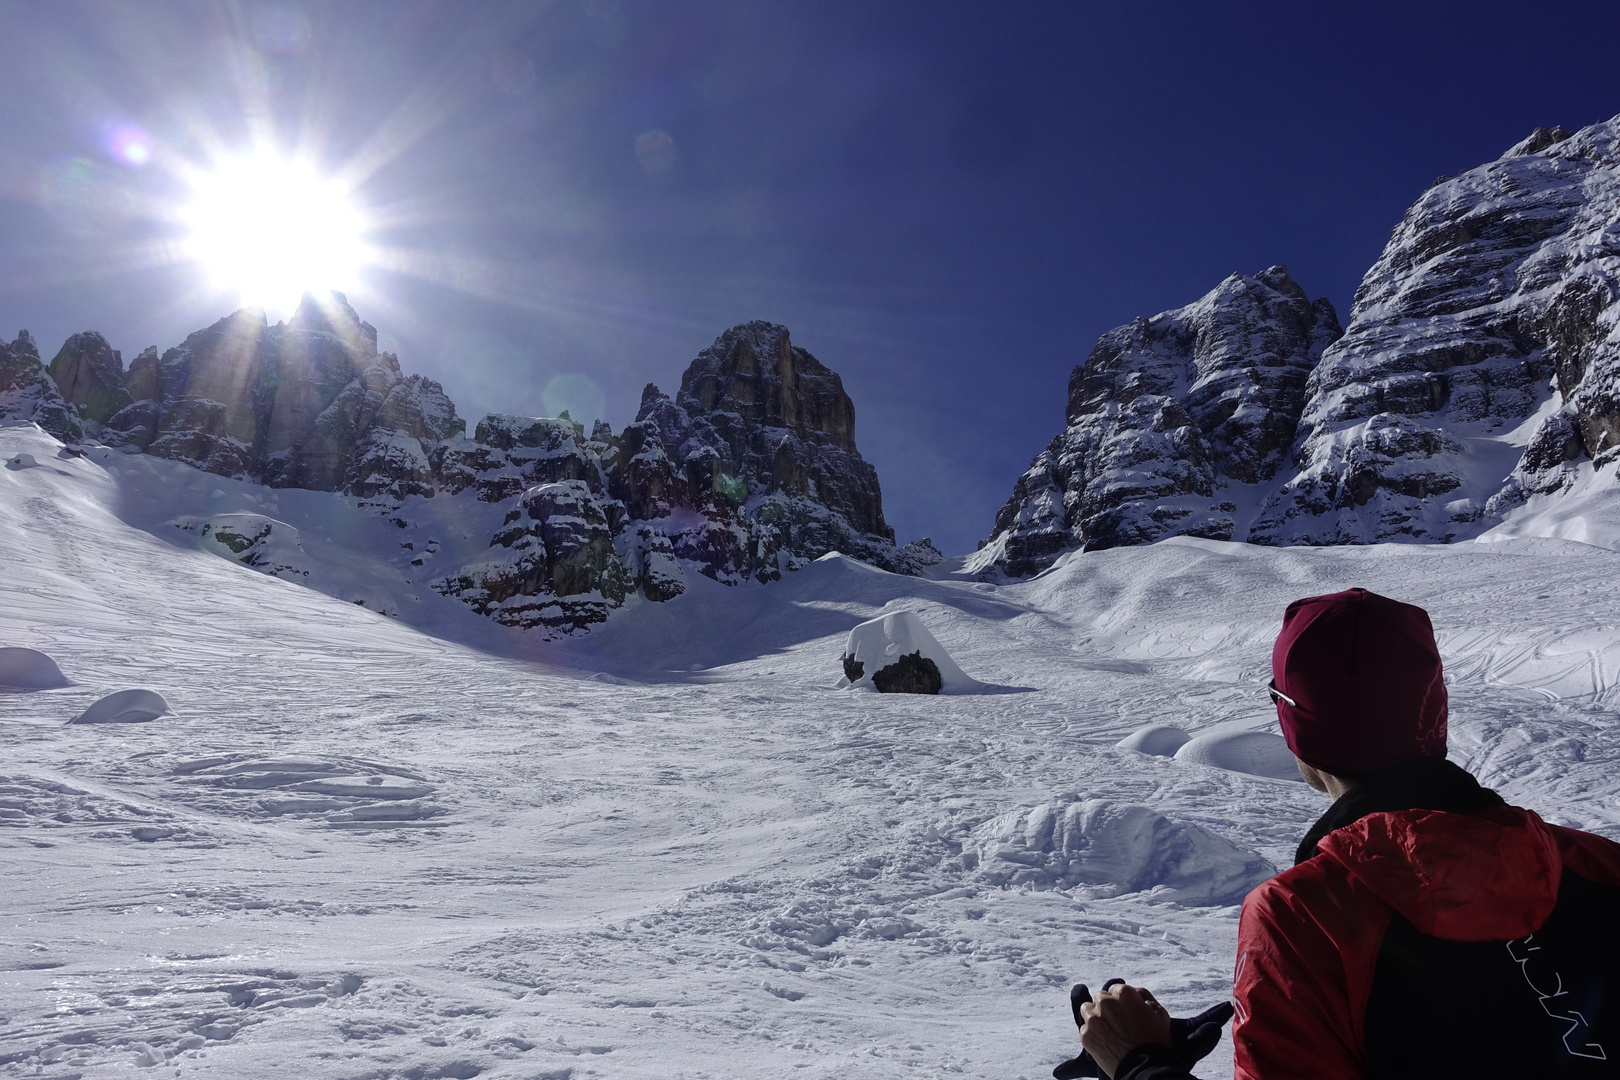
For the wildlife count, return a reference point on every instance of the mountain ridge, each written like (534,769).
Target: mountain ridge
(1479,369)
(750,471)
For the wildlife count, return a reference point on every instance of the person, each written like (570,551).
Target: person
(1427,928)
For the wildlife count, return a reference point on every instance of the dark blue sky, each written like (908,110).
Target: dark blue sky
(946,203)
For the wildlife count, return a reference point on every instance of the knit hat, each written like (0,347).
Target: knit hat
(1364,675)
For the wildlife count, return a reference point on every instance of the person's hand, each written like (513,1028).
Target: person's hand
(1191,1039)
(1118,1021)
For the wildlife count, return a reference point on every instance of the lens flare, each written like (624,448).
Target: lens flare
(655,151)
(269,230)
(129,144)
(576,395)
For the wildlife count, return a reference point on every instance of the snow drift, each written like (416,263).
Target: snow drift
(1114,849)
(29,669)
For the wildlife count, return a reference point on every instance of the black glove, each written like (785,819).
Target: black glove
(1191,1039)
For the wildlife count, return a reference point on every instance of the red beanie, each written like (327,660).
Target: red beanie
(1365,673)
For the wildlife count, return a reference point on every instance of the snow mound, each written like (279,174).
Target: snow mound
(124,707)
(1160,740)
(29,669)
(895,654)
(1114,849)
(1258,753)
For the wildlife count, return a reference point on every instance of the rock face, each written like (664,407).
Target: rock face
(1481,366)
(29,395)
(749,471)
(760,440)
(90,374)
(307,403)
(1173,422)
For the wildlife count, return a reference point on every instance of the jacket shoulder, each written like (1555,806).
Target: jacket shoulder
(1595,858)
(1307,947)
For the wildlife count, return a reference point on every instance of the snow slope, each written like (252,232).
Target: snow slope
(424,845)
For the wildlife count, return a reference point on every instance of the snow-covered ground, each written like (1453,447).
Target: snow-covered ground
(419,845)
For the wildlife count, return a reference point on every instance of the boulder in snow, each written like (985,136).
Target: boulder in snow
(895,654)
(124,707)
(1160,740)
(29,669)
(267,545)
(1258,753)
(1113,849)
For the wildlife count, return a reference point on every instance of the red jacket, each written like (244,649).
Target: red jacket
(1419,942)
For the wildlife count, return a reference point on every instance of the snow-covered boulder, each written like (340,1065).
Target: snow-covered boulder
(1112,849)
(1159,740)
(263,543)
(895,654)
(29,669)
(124,707)
(1258,753)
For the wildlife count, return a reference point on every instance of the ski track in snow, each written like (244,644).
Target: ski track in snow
(668,849)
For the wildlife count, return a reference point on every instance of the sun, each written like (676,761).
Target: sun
(270,229)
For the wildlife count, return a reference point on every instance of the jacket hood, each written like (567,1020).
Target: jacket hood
(1463,877)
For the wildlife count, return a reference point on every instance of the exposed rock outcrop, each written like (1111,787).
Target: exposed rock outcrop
(307,403)
(749,471)
(29,395)
(90,374)
(1481,362)
(1173,422)
(760,441)
(1481,366)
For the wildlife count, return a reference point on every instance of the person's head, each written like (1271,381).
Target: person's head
(1357,681)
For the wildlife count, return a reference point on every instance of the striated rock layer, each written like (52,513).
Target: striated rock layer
(1481,363)
(1172,423)
(749,471)
(1481,366)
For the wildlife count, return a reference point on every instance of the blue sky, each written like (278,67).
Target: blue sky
(946,203)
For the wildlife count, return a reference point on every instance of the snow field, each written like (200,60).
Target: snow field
(669,848)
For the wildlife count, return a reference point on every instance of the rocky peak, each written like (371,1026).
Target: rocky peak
(756,372)
(1494,302)
(330,313)
(748,472)
(1481,366)
(1166,418)
(28,395)
(751,471)
(1538,140)
(90,374)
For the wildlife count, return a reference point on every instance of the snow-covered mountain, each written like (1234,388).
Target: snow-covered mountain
(1166,417)
(1479,372)
(750,470)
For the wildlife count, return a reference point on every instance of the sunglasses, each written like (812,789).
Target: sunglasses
(1277,695)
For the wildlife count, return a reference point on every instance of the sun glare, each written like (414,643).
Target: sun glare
(269,230)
